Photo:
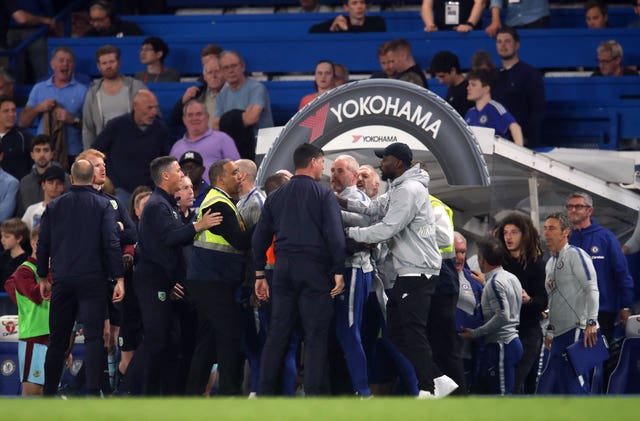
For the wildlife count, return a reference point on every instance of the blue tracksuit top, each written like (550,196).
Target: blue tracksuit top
(614,281)
(305,218)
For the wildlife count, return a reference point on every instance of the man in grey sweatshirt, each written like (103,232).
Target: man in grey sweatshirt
(408,226)
(572,286)
(501,302)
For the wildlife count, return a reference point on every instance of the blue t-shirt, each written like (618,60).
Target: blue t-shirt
(251,92)
(71,97)
(493,116)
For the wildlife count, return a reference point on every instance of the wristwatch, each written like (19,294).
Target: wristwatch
(591,322)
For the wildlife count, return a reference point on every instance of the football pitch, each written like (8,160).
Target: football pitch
(334,409)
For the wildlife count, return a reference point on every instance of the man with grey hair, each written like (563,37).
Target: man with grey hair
(78,232)
(350,303)
(610,60)
(614,281)
(368,180)
(573,306)
(251,198)
(242,93)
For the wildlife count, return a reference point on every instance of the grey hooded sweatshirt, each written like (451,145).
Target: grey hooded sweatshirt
(408,224)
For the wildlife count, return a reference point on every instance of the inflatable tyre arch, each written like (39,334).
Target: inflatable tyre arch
(417,116)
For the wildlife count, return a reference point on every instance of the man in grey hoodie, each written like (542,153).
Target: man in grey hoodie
(408,226)
(109,97)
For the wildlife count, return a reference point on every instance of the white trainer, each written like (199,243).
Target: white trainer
(443,386)
(425,394)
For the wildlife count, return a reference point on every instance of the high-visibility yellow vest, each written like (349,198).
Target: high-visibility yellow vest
(33,318)
(208,240)
(448,251)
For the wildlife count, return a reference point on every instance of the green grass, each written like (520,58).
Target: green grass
(336,409)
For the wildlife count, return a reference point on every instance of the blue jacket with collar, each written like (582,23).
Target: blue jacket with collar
(614,281)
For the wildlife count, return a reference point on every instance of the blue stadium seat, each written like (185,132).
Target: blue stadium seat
(625,379)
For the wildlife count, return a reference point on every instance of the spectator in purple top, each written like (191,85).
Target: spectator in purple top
(213,145)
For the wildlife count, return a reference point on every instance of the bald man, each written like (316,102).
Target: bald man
(131,142)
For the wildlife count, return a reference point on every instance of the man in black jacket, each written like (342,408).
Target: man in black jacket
(355,20)
(78,233)
(159,274)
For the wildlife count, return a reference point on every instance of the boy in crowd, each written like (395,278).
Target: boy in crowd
(487,112)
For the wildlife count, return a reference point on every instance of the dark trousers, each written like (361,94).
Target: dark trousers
(444,340)
(130,318)
(149,372)
(407,317)
(527,368)
(84,300)
(218,338)
(303,285)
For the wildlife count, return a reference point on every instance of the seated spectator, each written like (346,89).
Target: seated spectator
(30,187)
(16,142)
(109,97)
(482,60)
(7,85)
(386,63)
(57,103)
(15,243)
(8,192)
(306,6)
(595,14)
(355,20)
(446,67)
(211,84)
(243,102)
(518,14)
(461,16)
(340,74)
(212,145)
(404,64)
(636,9)
(52,185)
(106,23)
(152,54)
(489,113)
(610,60)
(323,81)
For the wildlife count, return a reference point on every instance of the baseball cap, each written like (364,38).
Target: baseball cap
(398,150)
(191,156)
(53,173)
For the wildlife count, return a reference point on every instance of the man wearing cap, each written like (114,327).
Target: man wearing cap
(408,224)
(212,145)
(52,185)
(192,166)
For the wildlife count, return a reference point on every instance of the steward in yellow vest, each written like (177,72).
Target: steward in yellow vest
(215,271)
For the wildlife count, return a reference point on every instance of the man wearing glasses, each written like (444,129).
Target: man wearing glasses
(242,106)
(106,23)
(614,281)
(610,60)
